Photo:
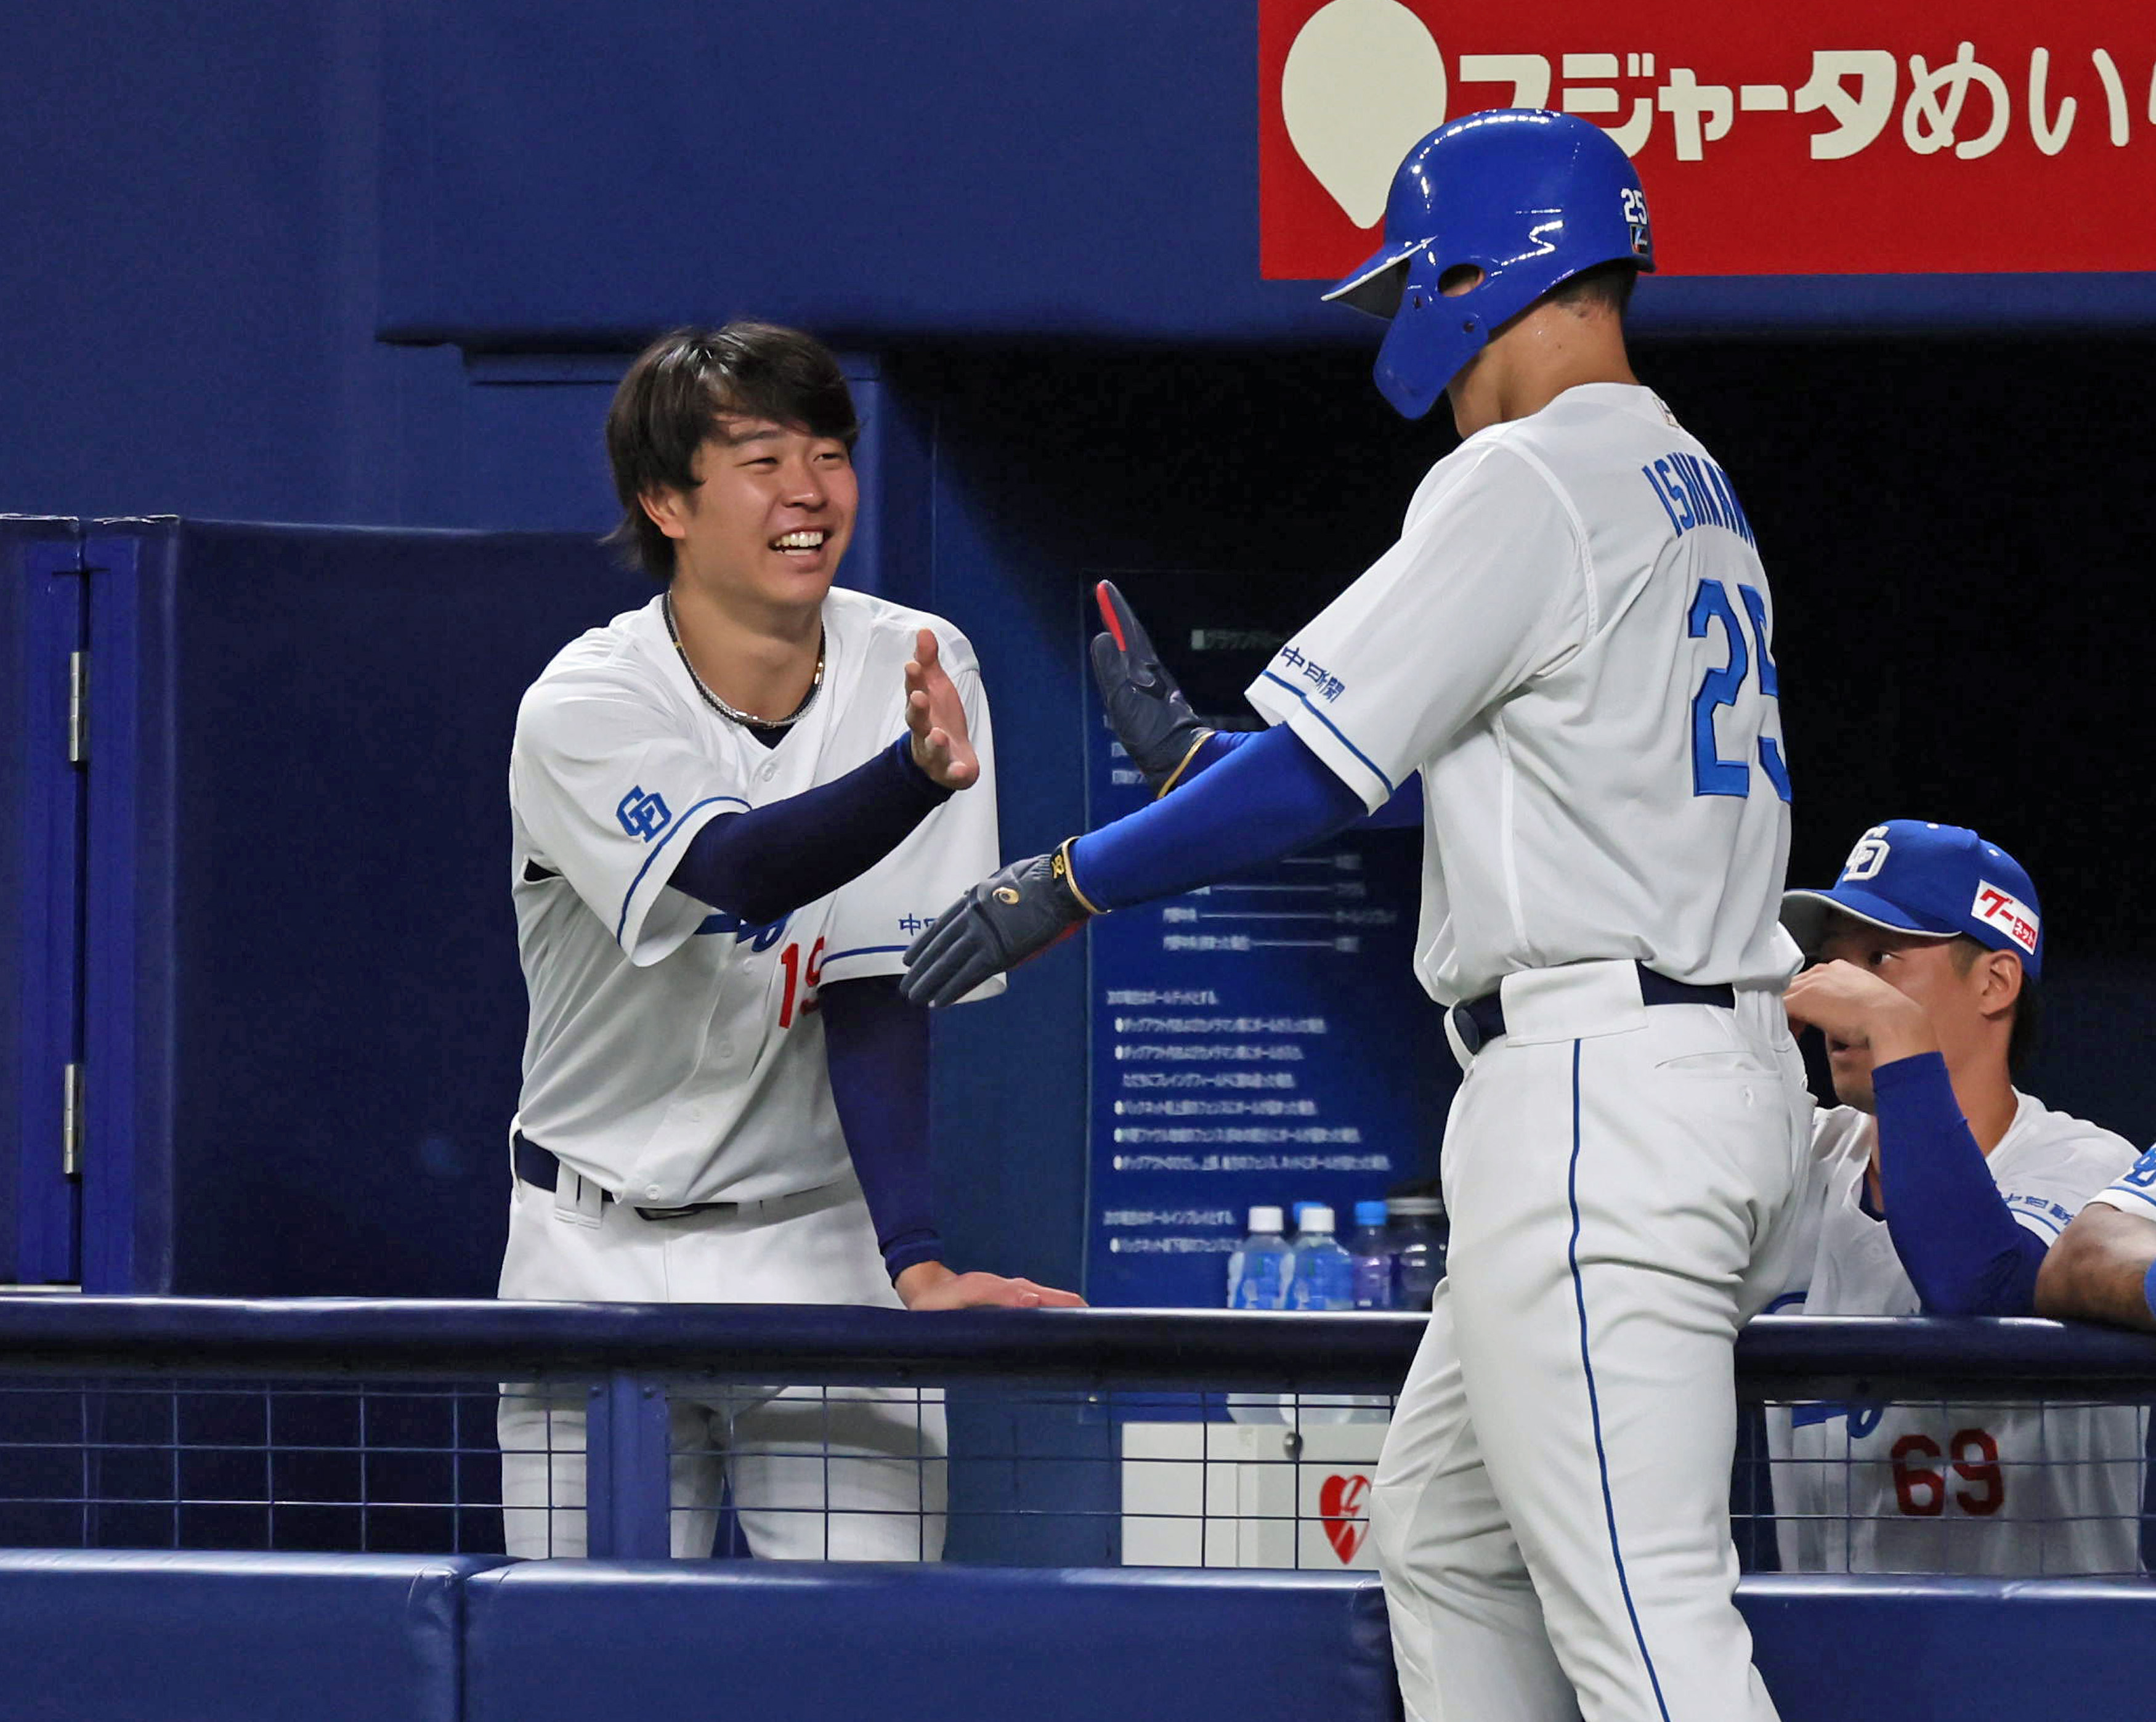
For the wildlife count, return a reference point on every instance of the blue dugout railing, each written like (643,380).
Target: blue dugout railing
(1788,1357)
(624,1356)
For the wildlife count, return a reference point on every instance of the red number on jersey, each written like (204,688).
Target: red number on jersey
(1976,1460)
(1922,1491)
(789,959)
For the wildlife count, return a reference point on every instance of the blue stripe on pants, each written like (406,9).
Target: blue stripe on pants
(1593,1403)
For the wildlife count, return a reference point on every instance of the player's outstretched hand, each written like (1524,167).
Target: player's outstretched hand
(937,716)
(1152,718)
(1853,1007)
(1007,918)
(930,1285)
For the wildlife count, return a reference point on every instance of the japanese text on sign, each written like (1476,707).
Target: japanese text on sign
(2002,128)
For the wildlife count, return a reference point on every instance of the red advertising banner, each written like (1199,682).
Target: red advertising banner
(1838,137)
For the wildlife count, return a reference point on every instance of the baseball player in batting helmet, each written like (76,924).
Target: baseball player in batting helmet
(1573,645)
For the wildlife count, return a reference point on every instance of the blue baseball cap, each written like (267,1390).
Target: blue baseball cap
(1937,881)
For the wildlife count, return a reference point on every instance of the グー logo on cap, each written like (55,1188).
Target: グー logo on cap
(2007,913)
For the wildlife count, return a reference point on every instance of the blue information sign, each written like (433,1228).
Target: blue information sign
(1261,1040)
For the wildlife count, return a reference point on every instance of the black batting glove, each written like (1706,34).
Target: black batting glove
(1006,918)
(1152,718)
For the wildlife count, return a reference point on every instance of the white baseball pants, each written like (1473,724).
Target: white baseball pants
(1551,1509)
(852,1474)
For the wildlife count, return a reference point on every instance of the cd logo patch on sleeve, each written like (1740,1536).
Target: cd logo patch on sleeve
(643,813)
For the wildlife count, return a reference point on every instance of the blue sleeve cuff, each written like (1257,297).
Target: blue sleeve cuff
(2148,1289)
(1213,750)
(1923,1076)
(901,1253)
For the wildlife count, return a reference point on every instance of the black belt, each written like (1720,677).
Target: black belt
(1481,1020)
(536,1166)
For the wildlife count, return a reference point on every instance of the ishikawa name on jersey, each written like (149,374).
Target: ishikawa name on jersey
(1996,1489)
(675,1055)
(1573,641)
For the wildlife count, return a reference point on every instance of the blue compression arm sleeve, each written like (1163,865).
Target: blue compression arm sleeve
(877,1045)
(1268,797)
(1213,749)
(769,862)
(1965,1253)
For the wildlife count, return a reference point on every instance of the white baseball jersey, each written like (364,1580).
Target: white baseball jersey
(1573,642)
(675,1055)
(2135,1192)
(2002,1490)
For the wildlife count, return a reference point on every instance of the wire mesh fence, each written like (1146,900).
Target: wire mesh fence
(2048,1489)
(381,1467)
(846,1442)
(1042,1475)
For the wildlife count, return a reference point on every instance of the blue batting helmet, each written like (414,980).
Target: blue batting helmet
(1529,198)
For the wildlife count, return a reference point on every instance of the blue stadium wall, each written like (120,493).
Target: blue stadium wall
(366,262)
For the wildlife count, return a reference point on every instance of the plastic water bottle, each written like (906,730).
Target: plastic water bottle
(1370,1255)
(1418,1241)
(1319,1275)
(1258,1271)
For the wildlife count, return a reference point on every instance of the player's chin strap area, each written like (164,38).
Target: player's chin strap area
(1474,1024)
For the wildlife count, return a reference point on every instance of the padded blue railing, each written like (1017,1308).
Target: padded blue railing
(1790,1356)
(1812,1355)
(626,1355)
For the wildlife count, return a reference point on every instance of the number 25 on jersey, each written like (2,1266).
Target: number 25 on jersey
(1714,773)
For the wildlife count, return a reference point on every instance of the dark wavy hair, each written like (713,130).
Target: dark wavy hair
(680,384)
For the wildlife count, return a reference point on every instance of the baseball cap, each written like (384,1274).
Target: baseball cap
(1936,880)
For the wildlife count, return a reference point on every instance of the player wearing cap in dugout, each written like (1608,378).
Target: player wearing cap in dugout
(1572,643)
(1938,1187)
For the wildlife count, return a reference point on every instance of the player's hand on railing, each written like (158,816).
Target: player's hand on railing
(930,1285)
(1149,716)
(1855,1008)
(1009,916)
(937,716)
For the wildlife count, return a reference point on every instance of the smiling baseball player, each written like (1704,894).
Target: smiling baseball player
(1938,1187)
(1571,642)
(729,808)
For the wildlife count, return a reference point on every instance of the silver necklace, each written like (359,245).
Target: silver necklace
(718,705)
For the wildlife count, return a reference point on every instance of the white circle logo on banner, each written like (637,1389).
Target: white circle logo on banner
(1364,83)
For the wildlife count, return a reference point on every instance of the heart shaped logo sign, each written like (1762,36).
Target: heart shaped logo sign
(1362,84)
(1340,1505)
